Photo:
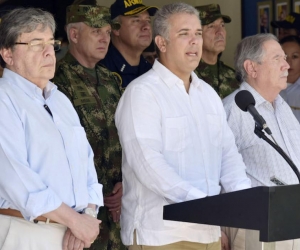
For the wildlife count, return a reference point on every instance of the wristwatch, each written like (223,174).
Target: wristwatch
(89,211)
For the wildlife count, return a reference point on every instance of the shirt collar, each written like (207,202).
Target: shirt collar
(196,81)
(169,78)
(259,100)
(28,87)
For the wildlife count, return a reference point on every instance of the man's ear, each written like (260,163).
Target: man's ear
(73,34)
(250,68)
(7,56)
(116,32)
(161,43)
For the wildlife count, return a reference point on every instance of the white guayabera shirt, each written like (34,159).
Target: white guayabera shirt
(262,161)
(177,146)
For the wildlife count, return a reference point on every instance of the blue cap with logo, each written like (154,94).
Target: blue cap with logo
(129,8)
(292,21)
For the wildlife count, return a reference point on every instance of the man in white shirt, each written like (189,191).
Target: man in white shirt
(49,192)
(261,63)
(176,143)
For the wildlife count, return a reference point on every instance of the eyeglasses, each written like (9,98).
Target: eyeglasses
(39,46)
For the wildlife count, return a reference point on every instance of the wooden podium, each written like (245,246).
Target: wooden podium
(274,211)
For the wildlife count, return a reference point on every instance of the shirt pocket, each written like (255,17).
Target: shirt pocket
(214,129)
(176,136)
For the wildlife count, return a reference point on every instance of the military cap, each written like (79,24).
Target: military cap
(292,21)
(210,13)
(85,2)
(129,8)
(92,15)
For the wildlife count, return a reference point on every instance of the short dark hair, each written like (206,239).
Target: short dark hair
(286,39)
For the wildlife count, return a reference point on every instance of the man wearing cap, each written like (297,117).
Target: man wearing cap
(124,56)
(211,69)
(94,92)
(288,27)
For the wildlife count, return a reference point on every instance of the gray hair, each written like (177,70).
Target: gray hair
(250,48)
(22,20)
(161,25)
(70,26)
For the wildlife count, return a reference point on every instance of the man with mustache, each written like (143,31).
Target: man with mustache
(49,192)
(124,56)
(261,64)
(211,69)
(176,143)
(94,91)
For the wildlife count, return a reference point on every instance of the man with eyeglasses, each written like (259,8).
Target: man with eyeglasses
(94,92)
(49,192)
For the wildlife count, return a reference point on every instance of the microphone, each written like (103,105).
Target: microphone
(245,101)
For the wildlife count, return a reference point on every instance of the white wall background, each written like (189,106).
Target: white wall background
(231,8)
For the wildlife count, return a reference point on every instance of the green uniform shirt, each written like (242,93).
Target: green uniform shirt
(220,76)
(95,99)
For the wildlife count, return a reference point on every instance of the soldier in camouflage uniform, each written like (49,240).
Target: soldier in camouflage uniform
(211,69)
(94,91)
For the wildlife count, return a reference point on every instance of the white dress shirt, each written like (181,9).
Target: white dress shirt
(44,160)
(177,146)
(292,96)
(262,161)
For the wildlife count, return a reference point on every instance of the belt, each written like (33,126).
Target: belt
(16,213)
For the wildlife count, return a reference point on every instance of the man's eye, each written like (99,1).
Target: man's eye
(37,44)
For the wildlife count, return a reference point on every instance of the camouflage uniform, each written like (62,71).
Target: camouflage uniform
(220,76)
(95,98)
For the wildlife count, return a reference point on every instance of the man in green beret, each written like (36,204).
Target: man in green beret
(94,91)
(211,69)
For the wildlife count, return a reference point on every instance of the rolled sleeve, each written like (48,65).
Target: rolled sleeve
(95,194)
(94,188)
(42,202)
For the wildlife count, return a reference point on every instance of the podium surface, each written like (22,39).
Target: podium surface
(274,211)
